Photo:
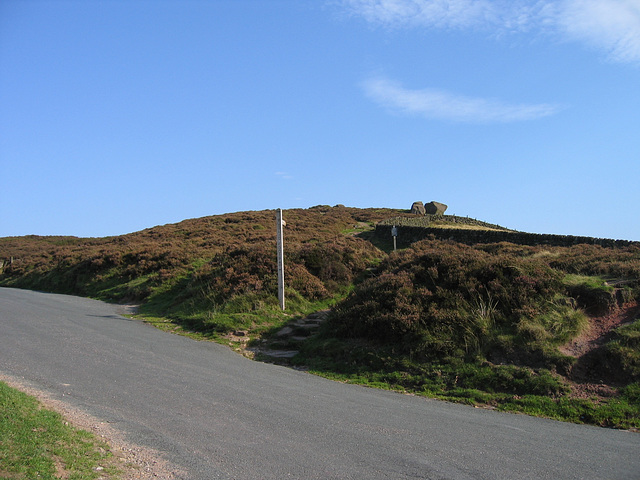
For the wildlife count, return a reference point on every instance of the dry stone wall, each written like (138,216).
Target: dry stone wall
(410,234)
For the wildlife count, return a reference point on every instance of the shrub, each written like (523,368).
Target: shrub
(447,299)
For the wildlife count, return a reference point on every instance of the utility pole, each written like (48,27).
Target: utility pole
(280,248)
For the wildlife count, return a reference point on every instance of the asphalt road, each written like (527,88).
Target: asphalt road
(217,414)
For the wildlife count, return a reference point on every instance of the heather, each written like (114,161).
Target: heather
(213,274)
(444,299)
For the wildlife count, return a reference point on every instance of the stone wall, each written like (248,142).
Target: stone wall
(429,220)
(410,234)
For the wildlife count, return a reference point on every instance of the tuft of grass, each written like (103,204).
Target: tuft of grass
(562,323)
(38,443)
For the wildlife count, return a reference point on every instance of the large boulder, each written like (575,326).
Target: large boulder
(435,208)
(417,208)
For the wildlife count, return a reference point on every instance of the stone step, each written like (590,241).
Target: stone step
(279,353)
(284,331)
(303,328)
(306,325)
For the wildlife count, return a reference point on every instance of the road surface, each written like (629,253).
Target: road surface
(218,415)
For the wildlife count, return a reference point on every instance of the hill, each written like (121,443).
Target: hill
(548,328)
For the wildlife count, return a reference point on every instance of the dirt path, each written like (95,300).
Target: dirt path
(585,381)
(600,330)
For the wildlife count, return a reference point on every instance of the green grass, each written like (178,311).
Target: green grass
(620,412)
(594,282)
(38,443)
(538,392)
(255,316)
(359,227)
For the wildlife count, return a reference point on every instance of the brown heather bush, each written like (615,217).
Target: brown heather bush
(445,298)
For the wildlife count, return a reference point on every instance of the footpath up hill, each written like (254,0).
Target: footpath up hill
(545,327)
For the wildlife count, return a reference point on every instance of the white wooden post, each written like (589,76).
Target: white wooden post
(280,248)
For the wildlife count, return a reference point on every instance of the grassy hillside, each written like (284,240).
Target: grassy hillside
(544,330)
(212,274)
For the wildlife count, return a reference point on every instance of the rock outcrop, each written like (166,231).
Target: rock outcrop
(435,208)
(418,208)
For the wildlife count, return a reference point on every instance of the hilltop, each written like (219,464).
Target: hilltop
(463,310)
(133,267)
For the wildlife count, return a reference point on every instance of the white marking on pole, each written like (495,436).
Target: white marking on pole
(280,248)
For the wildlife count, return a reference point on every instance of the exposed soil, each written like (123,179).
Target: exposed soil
(587,379)
(600,330)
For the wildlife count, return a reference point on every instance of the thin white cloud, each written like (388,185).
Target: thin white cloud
(440,13)
(610,25)
(284,175)
(442,105)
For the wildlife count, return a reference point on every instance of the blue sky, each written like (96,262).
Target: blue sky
(116,116)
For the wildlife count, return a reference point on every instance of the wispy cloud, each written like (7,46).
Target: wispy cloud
(442,14)
(442,105)
(284,175)
(610,25)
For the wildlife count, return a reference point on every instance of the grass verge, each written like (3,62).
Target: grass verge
(518,389)
(37,443)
